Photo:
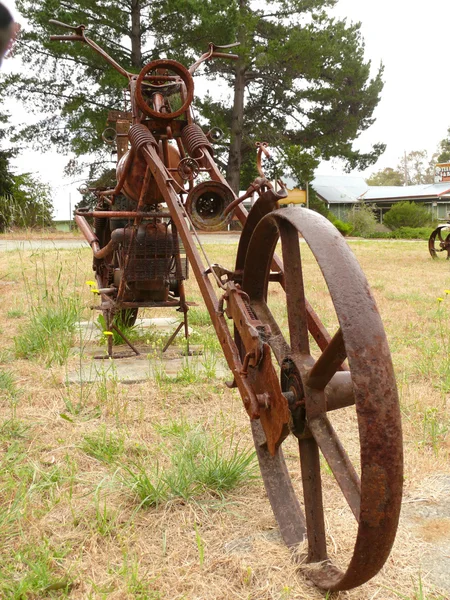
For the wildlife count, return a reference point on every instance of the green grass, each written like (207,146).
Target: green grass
(419,593)
(15,314)
(49,334)
(195,463)
(35,570)
(54,311)
(106,446)
(7,384)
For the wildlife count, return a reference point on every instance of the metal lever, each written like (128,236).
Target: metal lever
(79,29)
(226,46)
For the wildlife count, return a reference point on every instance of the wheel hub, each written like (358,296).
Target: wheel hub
(292,388)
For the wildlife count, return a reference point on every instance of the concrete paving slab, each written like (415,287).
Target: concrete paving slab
(136,369)
(90,330)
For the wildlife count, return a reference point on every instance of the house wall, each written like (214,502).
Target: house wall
(438,208)
(340,210)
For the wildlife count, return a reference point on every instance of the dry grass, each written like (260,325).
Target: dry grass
(70,526)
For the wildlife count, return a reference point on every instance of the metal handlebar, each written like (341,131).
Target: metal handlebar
(80,37)
(64,38)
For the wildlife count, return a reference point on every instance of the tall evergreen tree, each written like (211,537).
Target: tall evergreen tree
(301,82)
(69,86)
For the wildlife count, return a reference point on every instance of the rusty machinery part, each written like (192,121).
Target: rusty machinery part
(439,241)
(312,386)
(259,186)
(134,178)
(155,78)
(188,168)
(262,149)
(140,136)
(109,135)
(206,204)
(195,141)
(215,134)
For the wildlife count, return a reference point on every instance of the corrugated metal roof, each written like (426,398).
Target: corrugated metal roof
(342,189)
(339,189)
(408,191)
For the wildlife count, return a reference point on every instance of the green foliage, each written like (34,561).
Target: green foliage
(7,384)
(198,463)
(103,445)
(343,227)
(444,149)
(318,205)
(386,176)
(28,204)
(362,220)
(308,59)
(35,571)
(417,167)
(54,312)
(309,89)
(407,214)
(403,233)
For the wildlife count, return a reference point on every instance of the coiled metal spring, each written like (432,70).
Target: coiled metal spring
(195,141)
(139,136)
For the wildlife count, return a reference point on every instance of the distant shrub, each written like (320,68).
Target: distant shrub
(404,233)
(319,206)
(407,214)
(413,233)
(342,227)
(362,219)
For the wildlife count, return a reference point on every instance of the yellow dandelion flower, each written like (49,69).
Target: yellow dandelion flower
(95,291)
(90,283)
(440,299)
(108,333)
(447,292)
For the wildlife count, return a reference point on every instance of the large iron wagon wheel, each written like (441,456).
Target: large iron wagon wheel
(316,382)
(439,241)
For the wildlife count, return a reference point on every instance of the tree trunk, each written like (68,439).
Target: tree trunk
(237,124)
(136,51)
(237,119)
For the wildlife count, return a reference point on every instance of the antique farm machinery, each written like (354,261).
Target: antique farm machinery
(439,241)
(290,377)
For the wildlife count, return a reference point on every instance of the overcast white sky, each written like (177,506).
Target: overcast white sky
(411,39)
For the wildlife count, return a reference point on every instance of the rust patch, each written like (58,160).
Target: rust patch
(374,485)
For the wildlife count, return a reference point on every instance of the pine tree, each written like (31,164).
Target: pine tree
(301,82)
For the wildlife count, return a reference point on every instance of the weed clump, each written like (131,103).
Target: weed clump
(197,463)
(54,312)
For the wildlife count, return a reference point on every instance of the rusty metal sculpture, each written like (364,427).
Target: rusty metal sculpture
(162,152)
(439,241)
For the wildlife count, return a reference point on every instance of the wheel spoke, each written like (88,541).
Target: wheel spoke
(280,490)
(276,340)
(312,493)
(338,461)
(328,363)
(316,328)
(295,294)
